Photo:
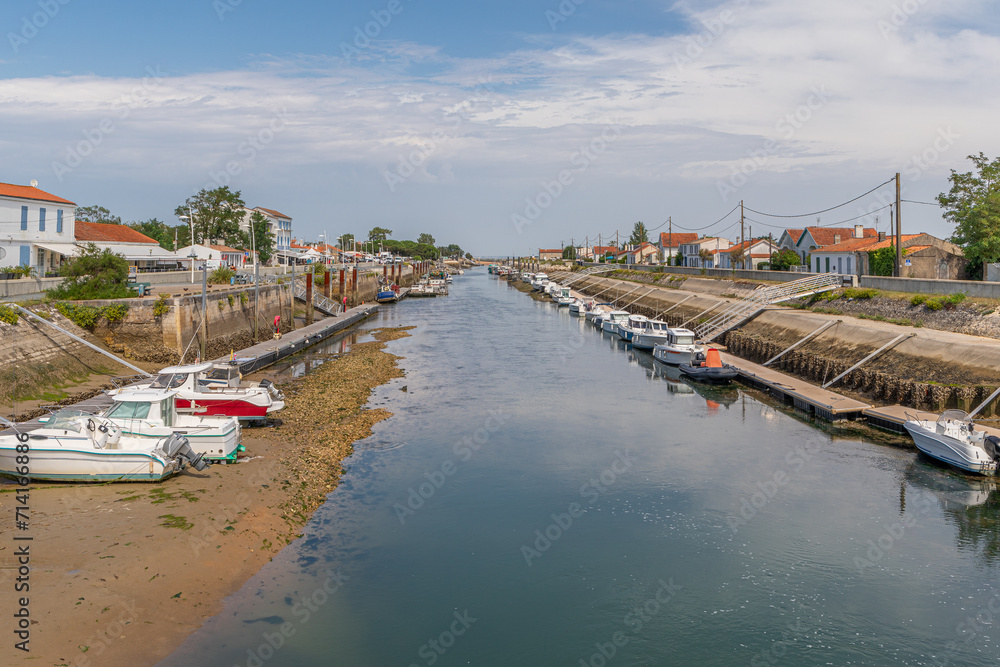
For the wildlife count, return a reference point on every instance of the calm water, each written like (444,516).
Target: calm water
(546,496)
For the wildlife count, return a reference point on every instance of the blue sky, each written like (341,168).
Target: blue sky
(501,126)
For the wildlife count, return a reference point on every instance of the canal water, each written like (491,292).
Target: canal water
(543,495)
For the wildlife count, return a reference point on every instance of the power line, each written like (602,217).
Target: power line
(698,229)
(805,215)
(831,224)
(925,203)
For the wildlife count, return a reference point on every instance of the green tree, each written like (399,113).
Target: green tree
(262,238)
(468,255)
(347,242)
(453,250)
(379,234)
(425,238)
(881,262)
(973,206)
(97,214)
(784,258)
(569,252)
(155,229)
(639,234)
(217,215)
(93,274)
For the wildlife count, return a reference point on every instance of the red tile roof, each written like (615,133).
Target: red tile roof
(275,213)
(225,248)
(558,250)
(604,249)
(866,244)
(824,236)
(796,234)
(105,233)
(28,192)
(678,238)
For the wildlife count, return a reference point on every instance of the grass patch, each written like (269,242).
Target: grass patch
(171,521)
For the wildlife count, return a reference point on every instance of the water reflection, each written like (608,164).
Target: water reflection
(972,504)
(313,357)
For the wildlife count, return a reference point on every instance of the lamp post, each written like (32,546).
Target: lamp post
(192,256)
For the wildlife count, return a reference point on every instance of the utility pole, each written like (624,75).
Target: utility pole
(670,239)
(743,237)
(899,232)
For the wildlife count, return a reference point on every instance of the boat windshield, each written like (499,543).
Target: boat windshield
(684,340)
(168,381)
(954,416)
(68,420)
(219,373)
(129,410)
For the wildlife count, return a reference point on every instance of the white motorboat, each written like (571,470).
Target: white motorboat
(76,446)
(539,281)
(578,307)
(678,348)
(563,296)
(610,321)
(594,310)
(954,439)
(552,288)
(211,389)
(153,414)
(630,326)
(653,333)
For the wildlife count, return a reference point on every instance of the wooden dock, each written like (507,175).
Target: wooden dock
(892,417)
(803,395)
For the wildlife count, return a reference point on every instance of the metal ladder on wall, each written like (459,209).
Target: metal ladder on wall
(320,302)
(759,299)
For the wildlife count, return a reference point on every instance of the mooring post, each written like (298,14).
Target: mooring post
(309,298)
(204,309)
(354,286)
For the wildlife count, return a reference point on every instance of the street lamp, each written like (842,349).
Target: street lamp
(193,256)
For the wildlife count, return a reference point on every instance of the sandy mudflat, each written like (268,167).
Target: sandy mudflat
(121,574)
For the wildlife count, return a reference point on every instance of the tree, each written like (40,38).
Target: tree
(705,255)
(784,258)
(569,252)
(973,205)
(453,250)
(97,214)
(881,262)
(468,255)
(347,242)
(262,240)
(639,234)
(736,256)
(217,215)
(425,238)
(379,234)
(157,230)
(93,274)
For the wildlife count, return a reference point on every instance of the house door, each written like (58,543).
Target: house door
(943,270)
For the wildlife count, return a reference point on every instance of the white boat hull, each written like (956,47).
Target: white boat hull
(953,451)
(672,356)
(647,341)
(66,461)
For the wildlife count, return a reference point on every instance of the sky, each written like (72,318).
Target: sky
(504,126)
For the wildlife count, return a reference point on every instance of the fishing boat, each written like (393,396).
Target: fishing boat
(652,333)
(75,446)
(678,348)
(709,368)
(610,321)
(954,439)
(627,328)
(153,413)
(563,297)
(212,390)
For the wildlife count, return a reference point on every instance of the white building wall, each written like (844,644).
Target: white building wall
(25,222)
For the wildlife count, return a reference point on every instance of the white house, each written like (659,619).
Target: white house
(692,251)
(138,249)
(644,253)
(756,252)
(670,243)
(279,226)
(36,228)
(213,256)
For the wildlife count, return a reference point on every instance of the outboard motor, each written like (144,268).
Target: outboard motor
(991,444)
(176,445)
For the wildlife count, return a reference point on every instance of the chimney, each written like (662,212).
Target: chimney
(836,238)
(859,231)
(881,236)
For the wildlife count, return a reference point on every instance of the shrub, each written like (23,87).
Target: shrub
(115,312)
(94,274)
(918,299)
(232,299)
(954,299)
(860,293)
(160,308)
(933,304)
(222,304)
(221,276)
(84,317)
(8,315)
(244,298)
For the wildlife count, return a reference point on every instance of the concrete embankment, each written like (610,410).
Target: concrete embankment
(933,370)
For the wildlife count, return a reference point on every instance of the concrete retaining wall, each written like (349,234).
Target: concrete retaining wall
(973,288)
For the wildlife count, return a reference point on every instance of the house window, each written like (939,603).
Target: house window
(828,265)
(41,219)
(59,221)
(24,218)
(849,265)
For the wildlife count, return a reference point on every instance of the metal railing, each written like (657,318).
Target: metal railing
(760,298)
(320,302)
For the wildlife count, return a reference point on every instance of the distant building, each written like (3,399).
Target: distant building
(36,228)
(214,256)
(644,253)
(691,251)
(814,238)
(671,241)
(550,254)
(138,249)
(755,253)
(604,251)
(279,226)
(924,256)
